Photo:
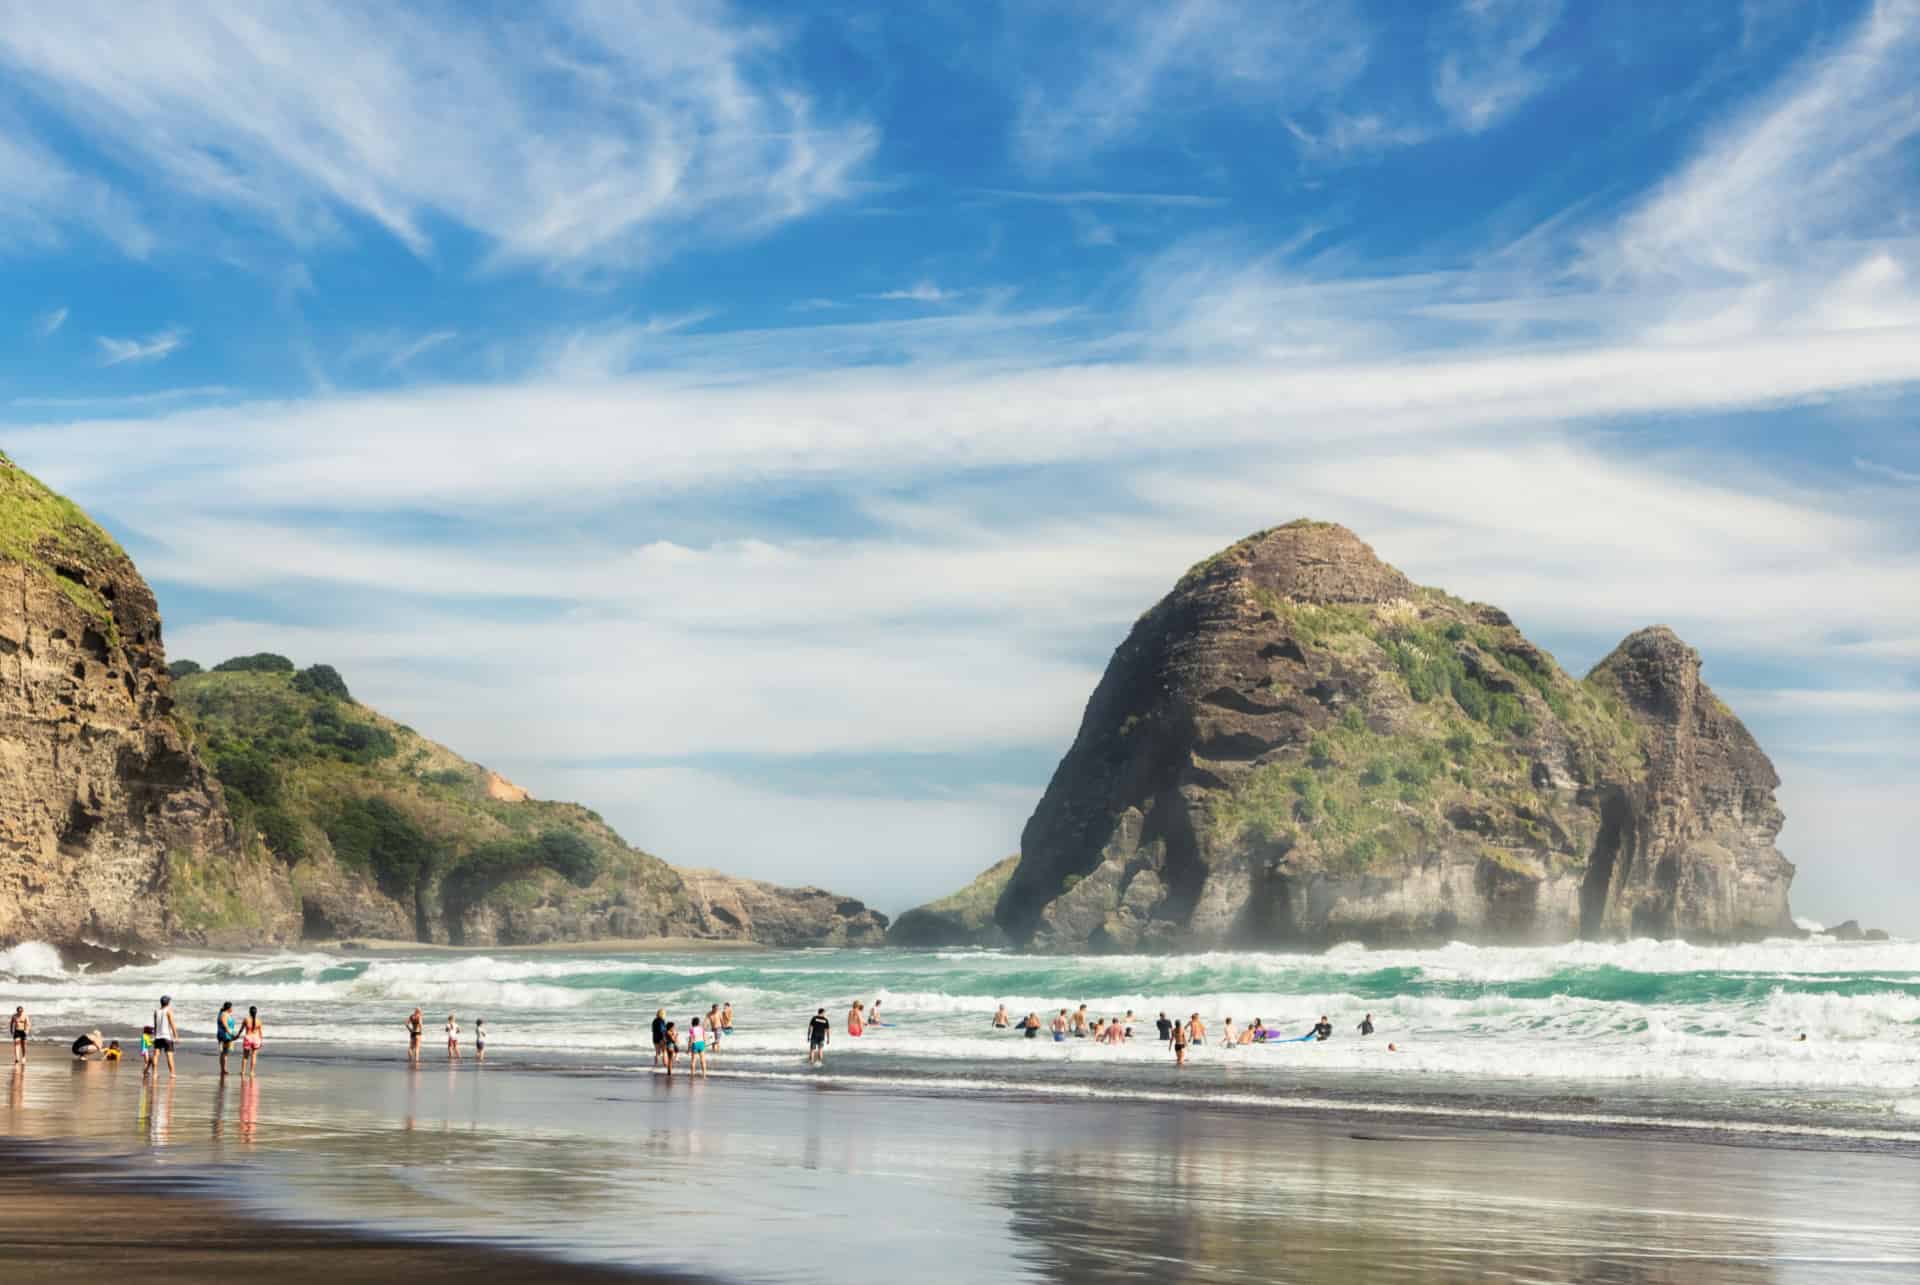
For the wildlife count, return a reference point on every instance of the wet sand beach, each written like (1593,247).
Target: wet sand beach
(752,1181)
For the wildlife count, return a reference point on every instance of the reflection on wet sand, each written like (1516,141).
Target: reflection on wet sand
(1289,1205)
(995,1191)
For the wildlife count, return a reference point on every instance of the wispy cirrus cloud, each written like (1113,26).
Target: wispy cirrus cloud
(568,138)
(1136,59)
(919,292)
(47,200)
(49,321)
(1874,468)
(155,347)
(1487,68)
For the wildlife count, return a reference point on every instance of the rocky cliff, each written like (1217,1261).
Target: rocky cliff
(963,918)
(257,804)
(108,819)
(1298,746)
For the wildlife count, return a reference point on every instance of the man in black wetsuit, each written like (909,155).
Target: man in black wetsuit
(1165,1028)
(1323,1029)
(817,1030)
(1366,1024)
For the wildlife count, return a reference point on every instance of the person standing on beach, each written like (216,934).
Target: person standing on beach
(453,1038)
(19,1028)
(252,1035)
(659,1035)
(696,1047)
(712,1028)
(669,1045)
(1179,1044)
(225,1029)
(416,1027)
(856,1020)
(1165,1028)
(479,1039)
(726,1018)
(165,1032)
(817,1031)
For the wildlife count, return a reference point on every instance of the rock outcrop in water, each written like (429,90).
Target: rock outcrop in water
(256,805)
(108,819)
(1298,746)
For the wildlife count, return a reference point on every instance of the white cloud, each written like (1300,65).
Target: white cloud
(154,347)
(49,321)
(590,135)
(1816,161)
(919,292)
(1487,71)
(126,401)
(1904,476)
(46,200)
(1137,59)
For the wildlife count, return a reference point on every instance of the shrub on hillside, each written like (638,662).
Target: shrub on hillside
(348,739)
(322,680)
(262,662)
(374,835)
(246,771)
(184,669)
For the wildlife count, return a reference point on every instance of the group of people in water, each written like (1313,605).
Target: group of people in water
(699,1042)
(1177,1034)
(417,1027)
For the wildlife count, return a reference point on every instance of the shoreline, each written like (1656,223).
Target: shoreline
(188,1234)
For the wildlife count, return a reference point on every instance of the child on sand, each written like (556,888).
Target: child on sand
(453,1039)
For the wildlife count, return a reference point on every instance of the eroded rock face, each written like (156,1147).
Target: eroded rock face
(726,908)
(101,796)
(1298,746)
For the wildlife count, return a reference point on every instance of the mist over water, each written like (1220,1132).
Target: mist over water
(1641,1029)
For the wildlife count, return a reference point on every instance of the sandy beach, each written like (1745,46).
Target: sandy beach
(341,1168)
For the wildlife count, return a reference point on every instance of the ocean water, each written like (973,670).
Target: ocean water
(1636,1034)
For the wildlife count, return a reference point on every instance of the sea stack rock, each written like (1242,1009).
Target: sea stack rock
(108,819)
(1298,746)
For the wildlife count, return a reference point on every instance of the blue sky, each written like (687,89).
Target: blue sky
(761,422)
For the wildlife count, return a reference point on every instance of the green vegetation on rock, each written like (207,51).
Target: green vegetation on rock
(321,782)
(963,918)
(52,535)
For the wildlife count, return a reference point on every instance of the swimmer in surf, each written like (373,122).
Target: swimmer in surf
(1060,1027)
(1031,1026)
(1165,1028)
(1001,1021)
(856,1019)
(1229,1041)
(1322,1029)
(1366,1024)
(1080,1022)
(726,1018)
(1179,1045)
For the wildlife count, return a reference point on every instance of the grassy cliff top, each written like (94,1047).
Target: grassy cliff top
(51,535)
(38,527)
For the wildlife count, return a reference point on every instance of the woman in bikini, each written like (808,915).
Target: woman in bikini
(856,1019)
(416,1027)
(252,1035)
